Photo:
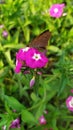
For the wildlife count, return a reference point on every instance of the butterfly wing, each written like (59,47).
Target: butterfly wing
(41,41)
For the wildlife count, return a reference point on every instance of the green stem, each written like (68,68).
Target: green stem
(47,81)
(41,102)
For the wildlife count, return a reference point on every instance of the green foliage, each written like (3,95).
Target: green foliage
(13,103)
(24,20)
(27,116)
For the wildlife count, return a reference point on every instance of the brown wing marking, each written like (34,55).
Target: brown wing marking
(41,41)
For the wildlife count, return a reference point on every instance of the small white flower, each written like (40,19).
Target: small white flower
(64,14)
(1,26)
(4,127)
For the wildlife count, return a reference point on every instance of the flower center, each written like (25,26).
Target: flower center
(56,10)
(36,56)
(72,101)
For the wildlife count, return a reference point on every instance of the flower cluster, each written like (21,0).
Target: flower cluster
(31,58)
(56,10)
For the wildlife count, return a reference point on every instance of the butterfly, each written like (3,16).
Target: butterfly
(41,41)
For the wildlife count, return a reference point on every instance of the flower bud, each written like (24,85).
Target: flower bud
(32,82)
(46,111)
(5,34)
(64,14)
(71,90)
(42,120)
(15,123)
(4,127)
(14,110)
(27,72)
(39,73)
(1,26)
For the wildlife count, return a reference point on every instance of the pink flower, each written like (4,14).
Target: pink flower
(42,120)
(15,123)
(18,66)
(21,54)
(30,57)
(20,58)
(32,82)
(71,90)
(56,10)
(69,103)
(35,59)
(5,34)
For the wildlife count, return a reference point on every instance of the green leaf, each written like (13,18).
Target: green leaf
(53,48)
(16,129)
(34,97)
(71,33)
(5,120)
(27,34)
(54,123)
(1,64)
(16,37)
(40,110)
(13,46)
(38,128)
(14,103)
(8,57)
(27,116)
(62,85)
(2,122)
